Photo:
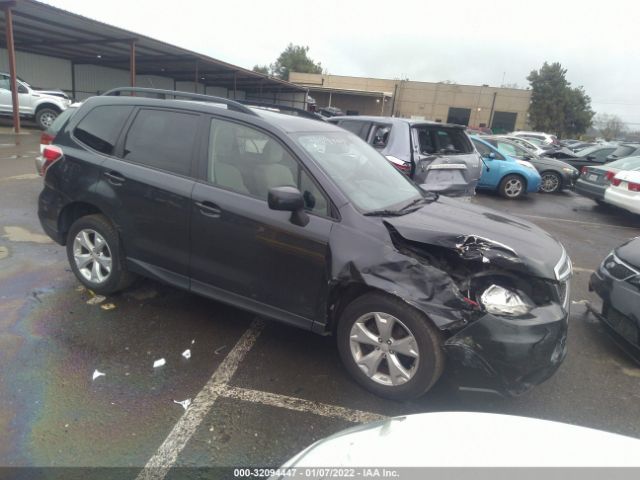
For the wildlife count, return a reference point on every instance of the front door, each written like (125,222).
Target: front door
(243,252)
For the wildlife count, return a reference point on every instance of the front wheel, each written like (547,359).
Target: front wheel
(512,187)
(550,182)
(390,348)
(95,256)
(45,117)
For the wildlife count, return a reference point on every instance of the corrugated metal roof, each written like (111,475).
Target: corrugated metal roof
(47,30)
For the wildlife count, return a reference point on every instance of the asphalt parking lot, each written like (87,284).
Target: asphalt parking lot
(261,391)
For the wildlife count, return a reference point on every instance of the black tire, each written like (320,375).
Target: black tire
(600,202)
(429,364)
(551,182)
(45,117)
(505,188)
(118,278)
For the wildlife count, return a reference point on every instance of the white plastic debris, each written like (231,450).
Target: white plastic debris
(159,363)
(218,351)
(96,300)
(485,260)
(193,341)
(185,403)
(187,354)
(579,302)
(107,306)
(97,374)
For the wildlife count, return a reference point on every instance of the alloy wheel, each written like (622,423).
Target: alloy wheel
(47,119)
(92,256)
(384,348)
(513,187)
(550,183)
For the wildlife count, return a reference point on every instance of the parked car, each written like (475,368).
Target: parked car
(330,112)
(303,222)
(527,143)
(47,137)
(595,155)
(624,150)
(555,175)
(617,283)
(437,156)
(624,191)
(575,147)
(540,136)
(41,105)
(594,180)
(386,445)
(510,177)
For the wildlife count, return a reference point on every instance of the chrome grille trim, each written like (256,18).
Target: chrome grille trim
(563,268)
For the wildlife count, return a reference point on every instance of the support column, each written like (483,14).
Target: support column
(11,53)
(132,65)
(235,75)
(196,79)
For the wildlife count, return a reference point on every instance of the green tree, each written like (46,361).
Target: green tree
(556,107)
(261,69)
(294,58)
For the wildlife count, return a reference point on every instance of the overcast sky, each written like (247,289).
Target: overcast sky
(471,42)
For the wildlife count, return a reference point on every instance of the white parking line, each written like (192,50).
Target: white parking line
(593,224)
(298,404)
(159,465)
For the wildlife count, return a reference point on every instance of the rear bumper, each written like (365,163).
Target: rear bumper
(623,199)
(591,190)
(621,302)
(511,354)
(49,206)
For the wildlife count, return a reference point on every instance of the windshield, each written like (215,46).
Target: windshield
(369,181)
(588,150)
(622,151)
(511,149)
(629,163)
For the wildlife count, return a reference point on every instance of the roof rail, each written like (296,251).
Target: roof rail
(282,108)
(167,94)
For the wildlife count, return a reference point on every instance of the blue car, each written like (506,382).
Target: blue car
(509,176)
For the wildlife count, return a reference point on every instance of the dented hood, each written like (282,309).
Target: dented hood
(482,234)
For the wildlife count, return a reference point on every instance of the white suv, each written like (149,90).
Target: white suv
(41,105)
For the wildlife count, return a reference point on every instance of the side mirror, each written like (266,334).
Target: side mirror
(491,156)
(288,199)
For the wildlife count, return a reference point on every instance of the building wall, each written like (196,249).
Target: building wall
(39,70)
(430,101)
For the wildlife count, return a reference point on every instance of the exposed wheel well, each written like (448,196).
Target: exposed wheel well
(71,213)
(52,106)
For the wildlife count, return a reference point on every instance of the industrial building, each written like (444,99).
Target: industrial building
(502,109)
(53,48)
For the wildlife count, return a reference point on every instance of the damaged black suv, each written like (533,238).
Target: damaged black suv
(303,222)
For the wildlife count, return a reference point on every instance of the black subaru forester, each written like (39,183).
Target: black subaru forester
(303,222)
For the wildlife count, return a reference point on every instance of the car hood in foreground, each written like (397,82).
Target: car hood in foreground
(433,440)
(630,252)
(479,233)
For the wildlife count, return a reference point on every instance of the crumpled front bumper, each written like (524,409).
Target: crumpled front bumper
(513,354)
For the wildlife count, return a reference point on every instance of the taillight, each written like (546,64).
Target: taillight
(634,187)
(51,154)
(584,170)
(46,138)
(399,164)
(609,176)
(616,182)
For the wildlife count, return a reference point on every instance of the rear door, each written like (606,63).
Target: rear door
(149,187)
(245,253)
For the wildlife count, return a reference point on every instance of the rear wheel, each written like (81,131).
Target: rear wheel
(512,187)
(390,348)
(95,255)
(45,117)
(550,182)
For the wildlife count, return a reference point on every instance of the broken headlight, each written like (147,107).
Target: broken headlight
(501,301)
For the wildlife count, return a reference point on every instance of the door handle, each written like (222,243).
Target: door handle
(209,209)
(114,178)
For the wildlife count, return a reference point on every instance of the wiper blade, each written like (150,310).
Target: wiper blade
(384,213)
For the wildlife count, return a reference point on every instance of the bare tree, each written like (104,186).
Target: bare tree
(609,126)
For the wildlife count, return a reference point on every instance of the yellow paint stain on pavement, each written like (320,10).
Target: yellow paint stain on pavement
(26,176)
(4,252)
(632,372)
(19,234)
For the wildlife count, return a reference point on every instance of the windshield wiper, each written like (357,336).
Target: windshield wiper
(384,213)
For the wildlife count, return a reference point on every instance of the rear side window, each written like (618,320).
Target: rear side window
(381,136)
(162,139)
(361,129)
(100,128)
(441,140)
(60,120)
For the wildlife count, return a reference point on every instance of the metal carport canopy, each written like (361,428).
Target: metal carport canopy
(46,30)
